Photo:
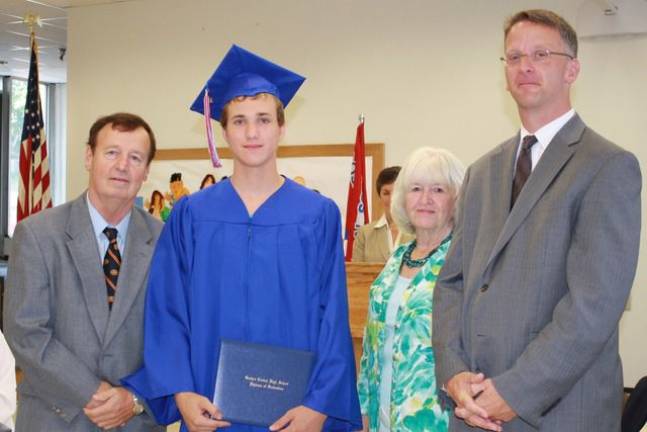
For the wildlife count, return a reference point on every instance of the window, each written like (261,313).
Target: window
(16,115)
(13,92)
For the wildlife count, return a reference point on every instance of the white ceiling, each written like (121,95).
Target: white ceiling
(51,37)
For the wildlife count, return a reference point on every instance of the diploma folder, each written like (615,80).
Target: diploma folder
(256,384)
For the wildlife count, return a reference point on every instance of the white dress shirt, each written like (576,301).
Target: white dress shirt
(392,243)
(544,135)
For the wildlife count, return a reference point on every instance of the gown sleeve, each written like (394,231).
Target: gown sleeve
(332,388)
(167,350)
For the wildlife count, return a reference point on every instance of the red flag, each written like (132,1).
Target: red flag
(34,190)
(357,208)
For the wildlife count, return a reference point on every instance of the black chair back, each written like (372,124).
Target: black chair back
(634,415)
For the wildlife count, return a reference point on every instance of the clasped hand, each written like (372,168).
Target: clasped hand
(110,406)
(478,402)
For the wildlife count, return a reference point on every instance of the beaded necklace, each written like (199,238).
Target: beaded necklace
(415,263)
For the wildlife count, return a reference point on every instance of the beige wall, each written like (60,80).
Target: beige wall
(425,72)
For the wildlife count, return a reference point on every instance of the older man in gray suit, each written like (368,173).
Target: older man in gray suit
(526,310)
(75,292)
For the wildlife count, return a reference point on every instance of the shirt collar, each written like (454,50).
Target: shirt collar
(381,222)
(546,133)
(99,223)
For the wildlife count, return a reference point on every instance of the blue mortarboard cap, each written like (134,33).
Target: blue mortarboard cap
(243,73)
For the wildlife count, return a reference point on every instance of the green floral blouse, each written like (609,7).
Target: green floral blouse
(414,401)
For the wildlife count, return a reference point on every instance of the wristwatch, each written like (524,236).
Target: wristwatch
(138,408)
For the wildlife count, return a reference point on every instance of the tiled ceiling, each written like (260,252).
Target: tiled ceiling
(51,36)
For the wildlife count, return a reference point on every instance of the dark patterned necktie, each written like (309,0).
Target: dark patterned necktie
(524,167)
(111,264)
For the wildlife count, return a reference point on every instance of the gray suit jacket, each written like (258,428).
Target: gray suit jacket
(57,320)
(532,297)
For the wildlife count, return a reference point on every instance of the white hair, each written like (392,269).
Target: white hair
(426,165)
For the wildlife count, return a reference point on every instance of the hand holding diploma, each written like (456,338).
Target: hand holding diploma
(199,414)
(300,419)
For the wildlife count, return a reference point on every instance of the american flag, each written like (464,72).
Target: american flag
(34,190)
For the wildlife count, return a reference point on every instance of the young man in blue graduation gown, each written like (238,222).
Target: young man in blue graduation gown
(256,258)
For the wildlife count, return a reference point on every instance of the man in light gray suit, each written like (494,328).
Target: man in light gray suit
(526,309)
(75,292)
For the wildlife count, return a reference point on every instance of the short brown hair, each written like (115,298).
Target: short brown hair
(280,114)
(548,19)
(386,177)
(123,122)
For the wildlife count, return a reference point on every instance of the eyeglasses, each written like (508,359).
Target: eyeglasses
(537,56)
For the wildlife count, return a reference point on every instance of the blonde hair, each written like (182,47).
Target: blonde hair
(427,165)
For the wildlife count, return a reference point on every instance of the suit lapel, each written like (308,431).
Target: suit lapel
(557,154)
(383,244)
(501,169)
(84,251)
(139,248)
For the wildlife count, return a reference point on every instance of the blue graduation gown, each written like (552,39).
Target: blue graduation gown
(276,277)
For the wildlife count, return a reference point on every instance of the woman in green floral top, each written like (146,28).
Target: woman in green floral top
(397,385)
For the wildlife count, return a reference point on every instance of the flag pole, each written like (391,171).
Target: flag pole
(30,20)
(356,207)
(34,186)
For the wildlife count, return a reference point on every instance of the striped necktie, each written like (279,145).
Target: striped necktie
(111,264)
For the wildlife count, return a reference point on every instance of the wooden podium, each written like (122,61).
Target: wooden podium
(359,277)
